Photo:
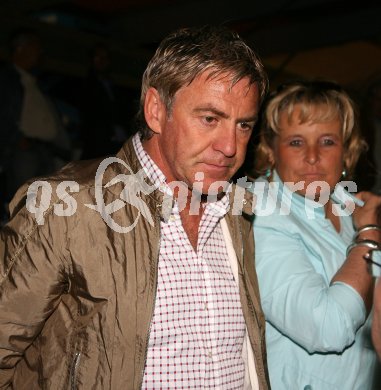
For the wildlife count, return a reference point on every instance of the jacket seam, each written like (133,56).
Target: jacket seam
(21,247)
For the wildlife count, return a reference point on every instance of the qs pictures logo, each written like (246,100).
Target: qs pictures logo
(40,193)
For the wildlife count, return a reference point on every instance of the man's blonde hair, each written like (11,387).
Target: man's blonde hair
(187,53)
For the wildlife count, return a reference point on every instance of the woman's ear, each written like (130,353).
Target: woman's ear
(154,110)
(270,157)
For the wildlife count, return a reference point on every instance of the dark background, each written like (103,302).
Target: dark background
(334,39)
(339,40)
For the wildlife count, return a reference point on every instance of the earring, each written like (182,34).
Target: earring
(268,172)
(344,174)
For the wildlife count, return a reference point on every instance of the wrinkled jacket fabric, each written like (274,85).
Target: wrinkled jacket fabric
(77,297)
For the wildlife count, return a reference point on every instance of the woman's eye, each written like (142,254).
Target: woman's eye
(328,142)
(295,142)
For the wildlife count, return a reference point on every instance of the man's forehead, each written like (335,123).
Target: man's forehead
(215,75)
(226,80)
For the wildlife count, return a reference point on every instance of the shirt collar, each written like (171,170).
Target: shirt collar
(153,172)
(26,77)
(308,206)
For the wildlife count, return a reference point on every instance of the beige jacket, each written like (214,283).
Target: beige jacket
(77,298)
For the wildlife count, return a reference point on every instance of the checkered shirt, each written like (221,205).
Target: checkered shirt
(197,329)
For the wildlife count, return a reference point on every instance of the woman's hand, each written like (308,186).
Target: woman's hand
(354,270)
(370,213)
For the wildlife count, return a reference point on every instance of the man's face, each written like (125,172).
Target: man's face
(207,131)
(32,52)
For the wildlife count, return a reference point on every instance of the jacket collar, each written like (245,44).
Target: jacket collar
(155,199)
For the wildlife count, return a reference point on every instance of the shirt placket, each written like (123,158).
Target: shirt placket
(205,321)
(202,325)
(207,224)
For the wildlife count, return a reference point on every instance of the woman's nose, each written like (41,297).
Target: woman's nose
(312,154)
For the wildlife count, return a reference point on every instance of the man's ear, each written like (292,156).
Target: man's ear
(154,110)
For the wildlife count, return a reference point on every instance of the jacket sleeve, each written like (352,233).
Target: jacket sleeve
(32,280)
(298,301)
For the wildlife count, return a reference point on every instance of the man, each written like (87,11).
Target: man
(100,108)
(31,131)
(159,291)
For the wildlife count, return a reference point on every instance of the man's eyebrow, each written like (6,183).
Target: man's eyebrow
(222,114)
(212,109)
(253,118)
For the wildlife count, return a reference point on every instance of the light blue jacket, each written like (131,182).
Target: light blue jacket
(316,336)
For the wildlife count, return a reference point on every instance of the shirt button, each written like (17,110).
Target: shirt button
(205,306)
(210,354)
(172,218)
(308,387)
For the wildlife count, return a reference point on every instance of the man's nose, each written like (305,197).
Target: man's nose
(226,143)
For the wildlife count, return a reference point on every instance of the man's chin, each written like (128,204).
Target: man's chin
(214,186)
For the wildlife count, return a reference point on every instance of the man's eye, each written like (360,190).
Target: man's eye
(209,119)
(245,126)
(296,142)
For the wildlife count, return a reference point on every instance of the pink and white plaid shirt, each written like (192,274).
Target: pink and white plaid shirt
(198,328)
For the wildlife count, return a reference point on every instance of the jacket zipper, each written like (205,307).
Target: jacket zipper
(153,309)
(74,369)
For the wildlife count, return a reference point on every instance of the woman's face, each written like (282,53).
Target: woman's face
(308,152)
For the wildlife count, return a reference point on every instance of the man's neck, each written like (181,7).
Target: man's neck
(191,223)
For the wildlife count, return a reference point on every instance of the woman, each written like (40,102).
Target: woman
(315,287)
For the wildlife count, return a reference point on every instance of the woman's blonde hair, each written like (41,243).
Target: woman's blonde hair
(319,101)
